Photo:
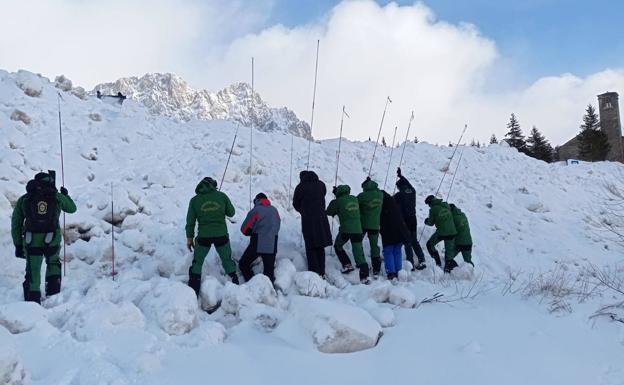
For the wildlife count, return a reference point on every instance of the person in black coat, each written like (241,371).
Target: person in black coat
(394,234)
(406,199)
(309,201)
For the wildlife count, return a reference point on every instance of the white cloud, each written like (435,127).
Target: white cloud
(439,70)
(448,74)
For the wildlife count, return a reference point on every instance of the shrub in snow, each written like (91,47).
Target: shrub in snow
(336,327)
(311,284)
(11,369)
(258,290)
(403,297)
(210,293)
(284,274)
(63,83)
(20,116)
(30,83)
(172,305)
(20,317)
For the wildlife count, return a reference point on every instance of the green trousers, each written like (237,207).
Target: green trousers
(202,247)
(373,240)
(466,251)
(449,247)
(36,252)
(356,248)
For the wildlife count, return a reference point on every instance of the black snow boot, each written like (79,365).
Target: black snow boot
(234,278)
(450,265)
(346,269)
(53,285)
(376,262)
(34,296)
(26,289)
(195,282)
(420,266)
(364,273)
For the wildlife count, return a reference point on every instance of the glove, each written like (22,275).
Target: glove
(19,252)
(399,172)
(427,222)
(64,191)
(334,190)
(189,244)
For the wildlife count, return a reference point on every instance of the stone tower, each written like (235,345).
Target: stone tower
(611,124)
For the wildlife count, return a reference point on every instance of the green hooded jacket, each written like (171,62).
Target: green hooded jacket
(463,237)
(65,203)
(370,200)
(440,216)
(208,208)
(347,208)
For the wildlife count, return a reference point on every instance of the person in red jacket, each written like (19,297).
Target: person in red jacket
(262,225)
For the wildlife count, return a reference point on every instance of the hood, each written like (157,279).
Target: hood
(403,184)
(205,186)
(370,185)
(342,190)
(308,176)
(262,202)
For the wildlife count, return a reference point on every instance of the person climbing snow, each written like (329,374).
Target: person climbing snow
(440,216)
(463,240)
(36,233)
(394,234)
(370,201)
(262,225)
(406,199)
(208,209)
(309,201)
(347,208)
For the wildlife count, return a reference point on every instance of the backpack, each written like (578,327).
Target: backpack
(41,209)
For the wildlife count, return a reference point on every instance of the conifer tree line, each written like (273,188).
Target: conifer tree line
(535,145)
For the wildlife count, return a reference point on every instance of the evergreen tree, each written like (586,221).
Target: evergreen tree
(538,147)
(383,141)
(593,143)
(416,139)
(450,144)
(473,143)
(493,139)
(514,136)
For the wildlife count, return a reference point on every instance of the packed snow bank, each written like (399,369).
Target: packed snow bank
(335,327)
(173,306)
(12,371)
(20,317)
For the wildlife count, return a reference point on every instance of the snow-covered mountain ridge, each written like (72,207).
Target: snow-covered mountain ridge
(147,327)
(169,95)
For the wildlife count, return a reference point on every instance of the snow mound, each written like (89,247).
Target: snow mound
(210,293)
(401,296)
(20,317)
(258,290)
(89,321)
(383,315)
(172,305)
(311,284)
(31,84)
(336,327)
(284,274)
(12,371)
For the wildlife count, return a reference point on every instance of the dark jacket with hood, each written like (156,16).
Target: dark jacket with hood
(393,229)
(208,208)
(309,201)
(263,221)
(406,199)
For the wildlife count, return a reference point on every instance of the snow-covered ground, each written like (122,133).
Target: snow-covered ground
(500,324)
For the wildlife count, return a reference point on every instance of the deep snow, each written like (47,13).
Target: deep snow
(147,327)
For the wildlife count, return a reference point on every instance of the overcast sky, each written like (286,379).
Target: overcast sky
(452,62)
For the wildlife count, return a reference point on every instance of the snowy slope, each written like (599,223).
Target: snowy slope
(146,327)
(169,95)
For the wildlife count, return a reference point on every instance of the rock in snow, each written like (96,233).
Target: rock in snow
(336,327)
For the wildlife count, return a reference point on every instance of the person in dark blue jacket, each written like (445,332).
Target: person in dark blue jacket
(406,199)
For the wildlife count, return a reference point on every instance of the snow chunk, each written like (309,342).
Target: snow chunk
(30,83)
(210,293)
(172,305)
(20,116)
(208,333)
(381,292)
(20,317)
(258,290)
(264,317)
(311,284)
(12,371)
(63,83)
(92,320)
(284,274)
(403,297)
(336,327)
(383,315)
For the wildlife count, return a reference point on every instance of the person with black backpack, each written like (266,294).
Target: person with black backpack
(37,234)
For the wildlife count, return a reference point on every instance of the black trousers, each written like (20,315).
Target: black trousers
(251,254)
(316,260)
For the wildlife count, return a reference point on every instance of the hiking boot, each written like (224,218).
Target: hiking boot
(34,296)
(346,269)
(437,260)
(363,272)
(52,285)
(420,266)
(392,276)
(450,265)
